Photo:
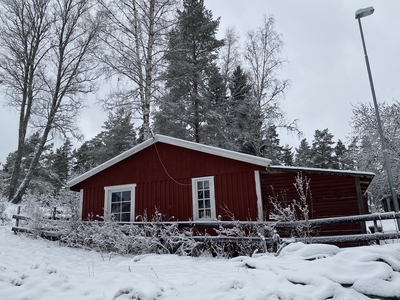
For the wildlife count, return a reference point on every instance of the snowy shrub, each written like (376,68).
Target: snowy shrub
(110,238)
(296,210)
(242,245)
(4,219)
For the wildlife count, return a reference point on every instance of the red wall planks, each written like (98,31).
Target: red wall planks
(162,174)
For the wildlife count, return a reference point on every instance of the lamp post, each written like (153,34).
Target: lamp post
(363,12)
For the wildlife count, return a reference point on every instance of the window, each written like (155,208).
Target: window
(120,203)
(203,198)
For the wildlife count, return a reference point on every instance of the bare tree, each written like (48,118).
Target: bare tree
(229,55)
(24,34)
(135,46)
(263,57)
(64,70)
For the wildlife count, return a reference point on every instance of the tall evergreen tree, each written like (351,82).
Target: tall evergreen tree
(271,146)
(61,165)
(119,135)
(303,154)
(191,63)
(322,150)
(238,110)
(41,176)
(340,154)
(287,155)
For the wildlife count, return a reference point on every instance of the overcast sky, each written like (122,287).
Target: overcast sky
(326,64)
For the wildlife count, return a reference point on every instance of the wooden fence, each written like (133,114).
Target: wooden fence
(51,228)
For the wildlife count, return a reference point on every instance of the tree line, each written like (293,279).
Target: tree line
(167,70)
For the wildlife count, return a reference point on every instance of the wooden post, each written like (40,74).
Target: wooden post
(17,220)
(361,208)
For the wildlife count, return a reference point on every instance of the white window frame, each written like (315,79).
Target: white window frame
(195,200)
(108,190)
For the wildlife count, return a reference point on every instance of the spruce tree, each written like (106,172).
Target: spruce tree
(303,155)
(340,154)
(119,136)
(322,150)
(271,146)
(239,109)
(191,63)
(61,165)
(287,156)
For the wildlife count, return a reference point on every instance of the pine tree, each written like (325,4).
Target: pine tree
(41,176)
(191,63)
(238,110)
(287,155)
(271,146)
(322,150)
(119,136)
(303,154)
(339,158)
(61,165)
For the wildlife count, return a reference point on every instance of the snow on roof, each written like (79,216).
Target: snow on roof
(319,170)
(260,161)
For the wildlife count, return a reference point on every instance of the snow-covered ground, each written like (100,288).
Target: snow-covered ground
(36,269)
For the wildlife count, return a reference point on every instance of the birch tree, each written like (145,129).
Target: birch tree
(366,150)
(262,55)
(135,39)
(24,35)
(63,70)
(229,56)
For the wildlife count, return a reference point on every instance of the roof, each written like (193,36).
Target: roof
(317,170)
(260,161)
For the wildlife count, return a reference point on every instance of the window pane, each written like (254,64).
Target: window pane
(201,204)
(115,207)
(125,217)
(206,184)
(200,195)
(207,194)
(207,204)
(126,207)
(199,185)
(116,197)
(201,214)
(208,213)
(126,196)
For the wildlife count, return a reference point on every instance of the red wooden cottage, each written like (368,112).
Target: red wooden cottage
(190,181)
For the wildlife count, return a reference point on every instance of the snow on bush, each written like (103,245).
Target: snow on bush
(110,238)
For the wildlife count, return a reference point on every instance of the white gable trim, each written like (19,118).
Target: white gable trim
(260,161)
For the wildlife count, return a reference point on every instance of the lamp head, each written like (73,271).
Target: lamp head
(363,12)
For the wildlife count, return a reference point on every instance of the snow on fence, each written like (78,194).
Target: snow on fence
(50,230)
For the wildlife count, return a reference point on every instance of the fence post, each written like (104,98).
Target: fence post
(54,212)
(18,212)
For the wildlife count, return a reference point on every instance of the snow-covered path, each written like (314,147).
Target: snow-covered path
(39,269)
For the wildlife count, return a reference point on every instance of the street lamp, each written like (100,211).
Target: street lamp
(363,12)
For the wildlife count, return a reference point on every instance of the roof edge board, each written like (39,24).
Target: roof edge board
(110,162)
(265,162)
(262,161)
(307,169)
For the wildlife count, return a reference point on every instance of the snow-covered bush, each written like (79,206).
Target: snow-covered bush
(109,237)
(285,210)
(4,219)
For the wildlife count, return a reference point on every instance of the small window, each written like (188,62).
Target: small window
(203,198)
(119,203)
